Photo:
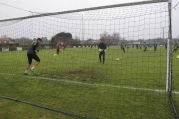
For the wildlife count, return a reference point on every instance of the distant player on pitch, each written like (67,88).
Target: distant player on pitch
(102,50)
(123,48)
(166,46)
(175,48)
(32,54)
(140,46)
(57,48)
(155,46)
(145,47)
(127,45)
(64,46)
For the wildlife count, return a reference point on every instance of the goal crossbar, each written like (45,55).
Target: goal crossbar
(86,9)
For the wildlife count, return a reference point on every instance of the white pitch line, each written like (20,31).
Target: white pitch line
(103,85)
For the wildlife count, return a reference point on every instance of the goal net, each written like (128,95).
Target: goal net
(128,82)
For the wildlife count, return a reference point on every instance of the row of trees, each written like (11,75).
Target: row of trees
(66,38)
(110,39)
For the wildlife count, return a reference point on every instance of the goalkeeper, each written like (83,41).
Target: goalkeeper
(32,54)
(102,49)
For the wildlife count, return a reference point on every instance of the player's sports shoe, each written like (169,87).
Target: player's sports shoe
(26,74)
(32,70)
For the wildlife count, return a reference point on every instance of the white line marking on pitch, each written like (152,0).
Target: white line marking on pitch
(104,85)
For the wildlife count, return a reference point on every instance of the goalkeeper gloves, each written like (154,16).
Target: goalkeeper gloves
(100,50)
(37,51)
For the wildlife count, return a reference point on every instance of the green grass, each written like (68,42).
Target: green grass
(76,82)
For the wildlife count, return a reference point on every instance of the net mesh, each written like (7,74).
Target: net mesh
(129,84)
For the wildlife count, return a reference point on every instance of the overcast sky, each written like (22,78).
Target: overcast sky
(48,6)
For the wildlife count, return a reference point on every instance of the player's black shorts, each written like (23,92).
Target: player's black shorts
(32,56)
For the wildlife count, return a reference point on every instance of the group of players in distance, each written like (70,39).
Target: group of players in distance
(32,52)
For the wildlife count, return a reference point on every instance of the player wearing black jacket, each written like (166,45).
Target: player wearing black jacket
(32,54)
(102,49)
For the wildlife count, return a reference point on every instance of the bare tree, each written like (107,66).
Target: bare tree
(110,39)
(116,38)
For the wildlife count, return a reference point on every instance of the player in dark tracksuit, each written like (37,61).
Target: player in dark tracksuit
(102,49)
(175,48)
(32,54)
(140,46)
(155,46)
(145,47)
(165,45)
(123,48)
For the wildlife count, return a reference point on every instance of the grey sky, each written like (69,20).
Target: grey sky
(46,6)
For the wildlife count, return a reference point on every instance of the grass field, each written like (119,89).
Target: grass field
(75,82)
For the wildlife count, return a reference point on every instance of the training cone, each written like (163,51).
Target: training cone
(177,56)
(117,58)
